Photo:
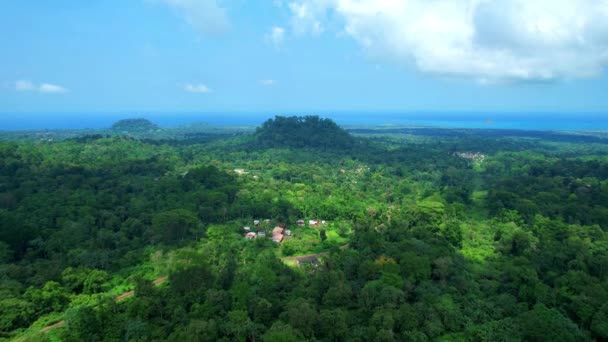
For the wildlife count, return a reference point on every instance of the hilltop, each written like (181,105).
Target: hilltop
(134,126)
(303,131)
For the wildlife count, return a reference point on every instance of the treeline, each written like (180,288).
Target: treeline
(422,244)
(94,207)
(574,191)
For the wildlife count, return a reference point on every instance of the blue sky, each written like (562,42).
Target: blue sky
(303,55)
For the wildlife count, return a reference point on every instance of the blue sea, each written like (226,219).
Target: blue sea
(518,120)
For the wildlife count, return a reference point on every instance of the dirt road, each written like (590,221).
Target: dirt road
(118,298)
(304,257)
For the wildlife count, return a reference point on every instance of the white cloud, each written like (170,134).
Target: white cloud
(197,88)
(276,35)
(23,85)
(51,88)
(268,83)
(206,16)
(487,40)
(308,14)
(48,88)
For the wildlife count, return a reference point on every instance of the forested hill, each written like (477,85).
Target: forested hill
(134,126)
(303,131)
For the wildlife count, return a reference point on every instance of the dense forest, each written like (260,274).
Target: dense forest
(307,131)
(389,235)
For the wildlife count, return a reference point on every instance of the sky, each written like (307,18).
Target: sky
(303,55)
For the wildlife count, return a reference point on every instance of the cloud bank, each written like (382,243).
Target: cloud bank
(206,16)
(48,88)
(486,40)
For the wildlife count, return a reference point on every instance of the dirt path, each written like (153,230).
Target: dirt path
(131,293)
(161,280)
(117,299)
(124,296)
(52,326)
(295,258)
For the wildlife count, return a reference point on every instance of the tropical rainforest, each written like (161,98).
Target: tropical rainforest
(138,233)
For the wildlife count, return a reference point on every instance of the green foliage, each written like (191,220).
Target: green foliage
(542,324)
(419,244)
(133,126)
(94,281)
(599,325)
(52,297)
(281,332)
(505,330)
(15,313)
(174,225)
(307,131)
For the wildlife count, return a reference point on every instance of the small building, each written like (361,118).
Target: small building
(247,229)
(313,222)
(277,230)
(277,238)
(288,233)
(250,236)
(300,222)
(308,260)
(261,234)
(256,223)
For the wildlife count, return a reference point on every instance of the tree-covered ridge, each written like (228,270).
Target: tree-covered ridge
(134,126)
(306,131)
(419,243)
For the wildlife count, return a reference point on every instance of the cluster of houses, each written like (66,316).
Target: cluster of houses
(242,172)
(314,223)
(476,156)
(279,233)
(360,169)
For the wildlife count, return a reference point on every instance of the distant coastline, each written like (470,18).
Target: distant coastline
(520,120)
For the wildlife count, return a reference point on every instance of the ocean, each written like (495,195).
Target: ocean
(516,120)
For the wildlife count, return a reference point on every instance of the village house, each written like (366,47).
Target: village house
(256,223)
(313,222)
(250,236)
(261,234)
(300,222)
(308,260)
(247,229)
(277,234)
(288,232)
(476,156)
(277,238)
